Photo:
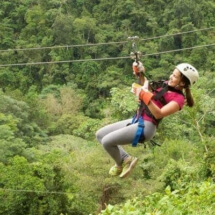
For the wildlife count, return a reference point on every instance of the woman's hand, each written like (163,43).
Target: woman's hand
(138,68)
(136,88)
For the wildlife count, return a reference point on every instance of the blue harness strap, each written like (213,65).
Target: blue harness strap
(140,130)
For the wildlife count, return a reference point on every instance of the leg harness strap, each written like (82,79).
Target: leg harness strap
(140,130)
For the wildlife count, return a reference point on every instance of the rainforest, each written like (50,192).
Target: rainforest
(66,71)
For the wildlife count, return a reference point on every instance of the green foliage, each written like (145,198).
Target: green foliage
(154,162)
(78,97)
(63,29)
(51,89)
(61,100)
(78,125)
(7,78)
(63,105)
(16,113)
(123,102)
(178,173)
(77,159)
(27,24)
(87,128)
(9,144)
(209,158)
(111,77)
(26,188)
(10,148)
(195,198)
(37,112)
(86,166)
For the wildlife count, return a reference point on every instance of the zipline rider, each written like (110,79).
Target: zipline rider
(155,104)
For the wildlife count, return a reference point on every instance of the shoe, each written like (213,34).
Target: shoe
(115,171)
(127,166)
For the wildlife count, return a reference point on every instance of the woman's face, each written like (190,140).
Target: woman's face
(174,78)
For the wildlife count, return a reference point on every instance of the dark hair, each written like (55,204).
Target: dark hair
(188,95)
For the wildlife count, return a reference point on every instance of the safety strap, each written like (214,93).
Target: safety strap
(140,131)
(164,89)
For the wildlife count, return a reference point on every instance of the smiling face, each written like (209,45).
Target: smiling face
(175,79)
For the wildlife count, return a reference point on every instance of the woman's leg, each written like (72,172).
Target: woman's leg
(101,133)
(116,134)
(110,128)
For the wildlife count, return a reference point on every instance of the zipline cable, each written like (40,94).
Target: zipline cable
(175,34)
(98,44)
(36,191)
(177,50)
(101,59)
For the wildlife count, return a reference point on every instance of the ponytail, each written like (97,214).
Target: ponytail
(189,97)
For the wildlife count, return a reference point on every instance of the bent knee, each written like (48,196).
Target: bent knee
(99,136)
(107,142)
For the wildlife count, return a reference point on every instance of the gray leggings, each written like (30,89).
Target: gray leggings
(116,134)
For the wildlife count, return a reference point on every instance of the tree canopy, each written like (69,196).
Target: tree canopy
(65,71)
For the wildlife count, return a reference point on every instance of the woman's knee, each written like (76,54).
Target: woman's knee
(99,136)
(107,142)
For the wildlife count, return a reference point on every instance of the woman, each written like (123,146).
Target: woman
(161,103)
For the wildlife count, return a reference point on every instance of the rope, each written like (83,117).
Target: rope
(176,50)
(100,59)
(98,44)
(36,191)
(180,33)
(63,46)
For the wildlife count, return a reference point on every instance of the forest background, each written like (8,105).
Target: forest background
(65,71)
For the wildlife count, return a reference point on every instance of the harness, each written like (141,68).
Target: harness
(159,96)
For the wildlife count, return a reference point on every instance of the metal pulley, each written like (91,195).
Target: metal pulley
(135,55)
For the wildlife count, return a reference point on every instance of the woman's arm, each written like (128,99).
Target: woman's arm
(166,110)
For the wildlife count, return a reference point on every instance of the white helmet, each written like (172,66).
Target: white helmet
(189,71)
